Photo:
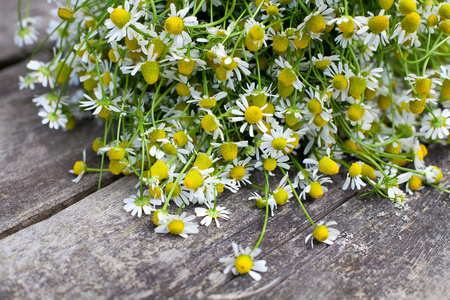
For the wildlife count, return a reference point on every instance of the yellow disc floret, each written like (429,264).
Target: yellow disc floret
(355,112)
(202,161)
(321,233)
(79,167)
(270,164)
(347,25)
(253,114)
(186,66)
(120,17)
(176,189)
(340,82)
(176,227)
(367,171)
(328,166)
(316,24)
(156,134)
(314,106)
(229,151)
(160,169)
(357,86)
(444,11)
(237,172)
(378,24)
(116,153)
(183,90)
(209,123)
(414,183)
(180,138)
(354,170)
(193,179)
(406,6)
(423,85)
(243,264)
(316,190)
(208,103)
(256,33)
(385,4)
(174,25)
(150,71)
(287,76)
(281,196)
(410,22)
(279,143)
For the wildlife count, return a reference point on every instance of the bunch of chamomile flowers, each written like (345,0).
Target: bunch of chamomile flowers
(196,96)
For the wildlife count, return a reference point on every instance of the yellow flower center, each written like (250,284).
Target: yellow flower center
(176,189)
(243,264)
(357,86)
(386,4)
(208,103)
(237,172)
(259,99)
(202,161)
(355,112)
(132,44)
(411,22)
(322,64)
(180,138)
(432,20)
(367,171)
(384,101)
(156,217)
(417,106)
(160,169)
(328,166)
(280,44)
(378,24)
(287,77)
(316,24)
(228,63)
(256,33)
(354,170)
(169,149)
(229,151)
(116,153)
(158,48)
(279,143)
(174,25)
(79,167)
(340,82)
(347,26)
(272,10)
(406,6)
(176,227)
(444,11)
(316,190)
(156,134)
(120,17)
(321,233)
(65,13)
(281,196)
(314,106)
(209,123)
(193,179)
(270,164)
(182,90)
(423,85)
(319,121)
(186,67)
(415,183)
(150,71)
(253,114)
(290,117)
(116,166)
(424,149)
(155,192)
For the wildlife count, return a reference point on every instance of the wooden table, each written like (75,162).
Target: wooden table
(64,240)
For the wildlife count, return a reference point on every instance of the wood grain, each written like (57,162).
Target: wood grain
(34,178)
(9,52)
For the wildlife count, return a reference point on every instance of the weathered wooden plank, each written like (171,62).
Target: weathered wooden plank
(34,178)
(379,255)
(9,52)
(96,244)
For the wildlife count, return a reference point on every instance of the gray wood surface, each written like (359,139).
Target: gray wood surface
(35,182)
(105,252)
(9,52)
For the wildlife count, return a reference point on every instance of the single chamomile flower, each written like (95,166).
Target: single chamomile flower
(121,19)
(278,141)
(79,168)
(53,116)
(176,25)
(354,177)
(323,233)
(244,262)
(252,116)
(212,213)
(436,124)
(177,224)
(138,203)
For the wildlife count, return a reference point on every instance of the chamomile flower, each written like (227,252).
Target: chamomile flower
(354,177)
(53,116)
(79,168)
(27,33)
(99,103)
(44,73)
(229,65)
(340,74)
(121,19)
(176,25)
(317,21)
(323,233)
(244,262)
(206,101)
(177,224)
(315,186)
(211,213)
(138,203)
(286,74)
(374,28)
(423,85)
(252,116)
(436,124)
(238,171)
(211,124)
(270,163)
(406,30)
(261,202)
(283,192)
(322,62)
(277,141)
